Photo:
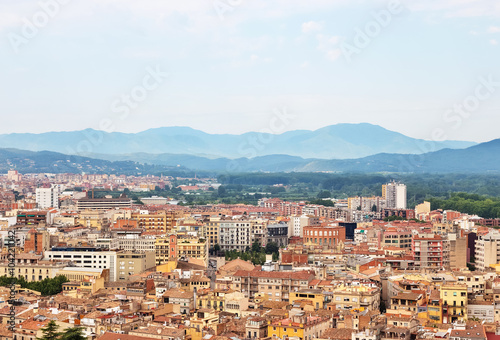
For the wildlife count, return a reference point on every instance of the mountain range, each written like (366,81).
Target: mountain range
(341,141)
(480,158)
(53,162)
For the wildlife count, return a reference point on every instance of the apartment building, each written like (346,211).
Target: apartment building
(395,195)
(161,221)
(430,251)
(131,263)
(475,281)
(37,241)
(454,297)
(300,326)
(297,224)
(48,197)
(92,219)
(165,249)
(32,217)
(223,300)
(180,297)
(397,237)
(458,250)
(235,235)
(258,231)
(276,286)
(277,233)
(313,296)
(366,203)
(32,268)
(349,297)
(443,228)
(87,257)
(106,243)
(487,249)
(406,301)
(123,202)
(212,231)
(327,236)
(256,327)
(192,247)
(137,243)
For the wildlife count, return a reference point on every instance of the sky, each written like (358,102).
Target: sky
(428,69)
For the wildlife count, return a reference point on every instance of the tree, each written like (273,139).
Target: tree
(276,256)
(272,248)
(50,331)
(256,247)
(324,194)
(73,333)
(276,190)
(221,191)
(46,287)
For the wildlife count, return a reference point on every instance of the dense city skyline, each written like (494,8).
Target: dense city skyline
(249,169)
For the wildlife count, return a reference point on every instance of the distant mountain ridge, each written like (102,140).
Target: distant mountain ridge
(480,158)
(53,162)
(341,141)
(476,159)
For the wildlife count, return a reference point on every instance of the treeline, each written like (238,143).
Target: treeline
(45,287)
(483,206)
(420,187)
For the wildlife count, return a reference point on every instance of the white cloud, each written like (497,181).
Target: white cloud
(333,54)
(305,64)
(312,26)
(329,45)
(493,42)
(494,29)
(325,42)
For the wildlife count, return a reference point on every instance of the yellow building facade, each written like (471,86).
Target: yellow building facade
(454,297)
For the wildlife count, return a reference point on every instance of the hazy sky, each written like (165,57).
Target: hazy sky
(416,67)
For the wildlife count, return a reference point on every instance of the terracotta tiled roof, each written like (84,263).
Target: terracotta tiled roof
(337,333)
(114,336)
(178,293)
(303,275)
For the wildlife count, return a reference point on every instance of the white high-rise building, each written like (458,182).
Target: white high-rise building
(48,197)
(235,235)
(395,195)
(297,224)
(487,249)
